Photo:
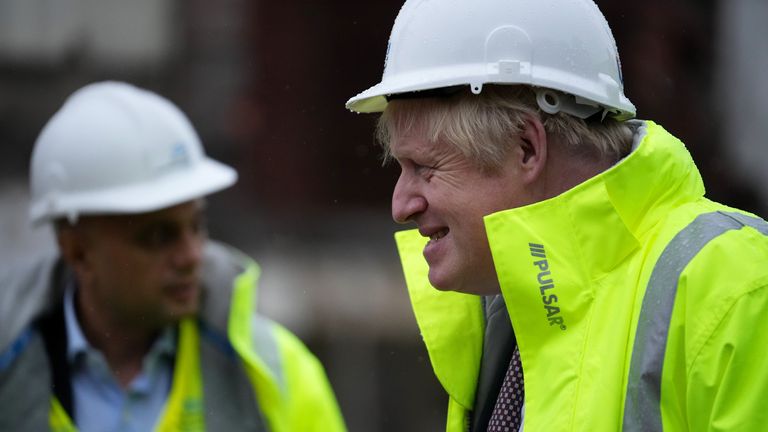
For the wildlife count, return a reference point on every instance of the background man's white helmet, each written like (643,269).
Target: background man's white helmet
(115,148)
(560,45)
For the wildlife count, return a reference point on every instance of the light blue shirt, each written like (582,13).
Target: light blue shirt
(100,404)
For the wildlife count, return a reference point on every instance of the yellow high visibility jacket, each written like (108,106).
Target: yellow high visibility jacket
(637,304)
(234,370)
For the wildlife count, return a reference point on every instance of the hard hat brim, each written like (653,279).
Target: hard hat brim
(208,176)
(374,99)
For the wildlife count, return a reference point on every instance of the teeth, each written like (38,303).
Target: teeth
(437,236)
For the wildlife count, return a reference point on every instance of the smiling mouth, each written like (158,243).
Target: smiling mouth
(438,235)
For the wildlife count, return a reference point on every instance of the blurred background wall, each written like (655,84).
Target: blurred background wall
(265,83)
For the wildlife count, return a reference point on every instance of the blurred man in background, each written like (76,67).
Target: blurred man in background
(140,322)
(607,293)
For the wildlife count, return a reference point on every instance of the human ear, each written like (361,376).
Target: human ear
(533,148)
(72,247)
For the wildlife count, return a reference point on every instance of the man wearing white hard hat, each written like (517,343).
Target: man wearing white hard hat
(139,322)
(567,272)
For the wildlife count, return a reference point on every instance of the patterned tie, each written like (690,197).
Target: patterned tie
(507,411)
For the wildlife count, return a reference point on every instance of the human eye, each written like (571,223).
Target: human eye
(157,236)
(424,170)
(419,168)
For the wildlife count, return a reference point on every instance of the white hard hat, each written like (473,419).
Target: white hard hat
(560,45)
(115,148)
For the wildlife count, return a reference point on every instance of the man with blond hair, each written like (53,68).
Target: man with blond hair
(606,292)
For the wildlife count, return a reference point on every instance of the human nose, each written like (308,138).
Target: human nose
(188,254)
(407,201)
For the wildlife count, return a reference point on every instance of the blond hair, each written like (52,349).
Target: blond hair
(480,126)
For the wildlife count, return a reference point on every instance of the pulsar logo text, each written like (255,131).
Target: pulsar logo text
(547,286)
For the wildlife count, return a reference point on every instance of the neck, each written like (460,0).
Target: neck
(123,344)
(564,172)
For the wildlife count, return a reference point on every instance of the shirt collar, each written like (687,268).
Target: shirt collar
(76,342)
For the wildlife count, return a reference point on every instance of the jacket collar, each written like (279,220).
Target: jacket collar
(452,324)
(601,221)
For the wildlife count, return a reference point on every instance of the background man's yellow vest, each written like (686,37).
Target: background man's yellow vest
(234,370)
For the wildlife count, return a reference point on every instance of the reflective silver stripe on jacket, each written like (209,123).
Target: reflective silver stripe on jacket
(229,399)
(265,344)
(25,389)
(642,410)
